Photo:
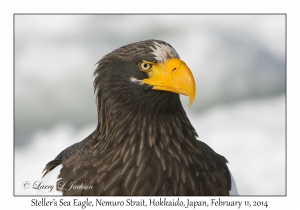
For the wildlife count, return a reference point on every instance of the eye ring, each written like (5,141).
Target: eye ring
(145,66)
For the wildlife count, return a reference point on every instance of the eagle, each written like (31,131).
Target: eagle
(144,143)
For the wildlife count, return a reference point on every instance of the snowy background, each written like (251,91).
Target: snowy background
(239,66)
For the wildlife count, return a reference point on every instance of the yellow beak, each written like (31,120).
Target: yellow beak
(173,76)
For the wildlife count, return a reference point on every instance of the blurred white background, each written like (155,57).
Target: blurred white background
(239,66)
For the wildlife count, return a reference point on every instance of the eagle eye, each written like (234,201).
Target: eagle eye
(145,66)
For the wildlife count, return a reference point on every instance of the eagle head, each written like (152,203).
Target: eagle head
(143,74)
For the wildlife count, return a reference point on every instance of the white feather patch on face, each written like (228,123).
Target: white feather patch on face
(163,52)
(135,80)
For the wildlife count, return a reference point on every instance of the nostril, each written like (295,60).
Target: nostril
(174,69)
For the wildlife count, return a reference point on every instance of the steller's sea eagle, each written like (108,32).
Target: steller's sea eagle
(144,143)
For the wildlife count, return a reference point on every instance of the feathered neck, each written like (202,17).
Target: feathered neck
(159,121)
